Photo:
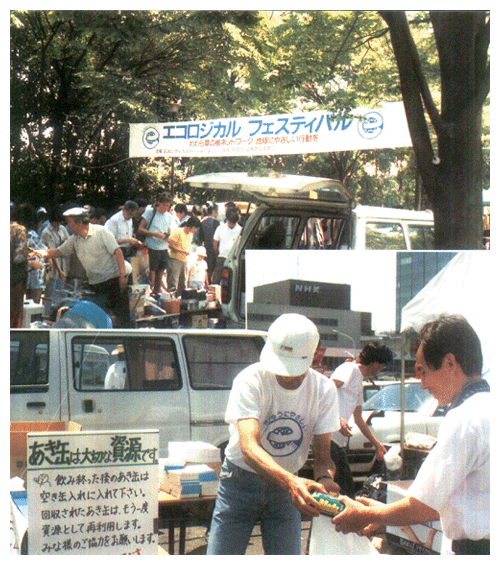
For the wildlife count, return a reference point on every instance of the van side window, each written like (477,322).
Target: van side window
(421,237)
(29,361)
(275,232)
(384,235)
(214,361)
(322,233)
(111,364)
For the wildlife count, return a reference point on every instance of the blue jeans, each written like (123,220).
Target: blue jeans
(243,498)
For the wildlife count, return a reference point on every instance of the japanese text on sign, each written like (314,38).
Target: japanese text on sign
(281,134)
(93,493)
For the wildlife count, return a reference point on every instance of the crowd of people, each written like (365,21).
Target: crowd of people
(58,249)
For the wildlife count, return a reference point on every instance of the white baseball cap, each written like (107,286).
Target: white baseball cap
(201,251)
(291,342)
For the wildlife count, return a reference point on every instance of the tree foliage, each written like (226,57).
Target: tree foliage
(78,78)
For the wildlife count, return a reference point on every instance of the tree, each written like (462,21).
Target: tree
(78,78)
(451,170)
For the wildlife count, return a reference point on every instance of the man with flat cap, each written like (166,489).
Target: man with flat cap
(101,257)
(276,409)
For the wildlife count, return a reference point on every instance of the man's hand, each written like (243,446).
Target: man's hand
(330,485)
(380,451)
(345,428)
(300,491)
(353,518)
(123,282)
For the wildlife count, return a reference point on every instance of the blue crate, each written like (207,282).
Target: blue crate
(20,498)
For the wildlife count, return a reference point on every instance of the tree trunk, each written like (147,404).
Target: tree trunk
(451,177)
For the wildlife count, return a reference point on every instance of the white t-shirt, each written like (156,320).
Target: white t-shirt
(454,479)
(116,377)
(120,227)
(350,394)
(162,223)
(288,419)
(197,270)
(226,237)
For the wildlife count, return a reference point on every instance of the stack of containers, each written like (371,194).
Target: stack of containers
(191,470)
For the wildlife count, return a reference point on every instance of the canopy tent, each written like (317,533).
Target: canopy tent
(464,286)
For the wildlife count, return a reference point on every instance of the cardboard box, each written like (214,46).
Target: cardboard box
(199,321)
(418,539)
(171,306)
(136,305)
(18,433)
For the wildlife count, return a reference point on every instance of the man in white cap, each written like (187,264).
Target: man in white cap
(101,257)
(276,409)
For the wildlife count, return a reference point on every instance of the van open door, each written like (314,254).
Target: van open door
(294,212)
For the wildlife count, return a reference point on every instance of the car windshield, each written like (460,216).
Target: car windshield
(389,398)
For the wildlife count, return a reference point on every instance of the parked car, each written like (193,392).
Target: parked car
(177,381)
(300,212)
(382,411)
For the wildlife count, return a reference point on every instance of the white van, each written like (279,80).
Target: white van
(177,381)
(300,212)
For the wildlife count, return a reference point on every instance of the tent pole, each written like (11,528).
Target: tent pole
(402,394)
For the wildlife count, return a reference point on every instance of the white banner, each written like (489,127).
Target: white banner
(286,134)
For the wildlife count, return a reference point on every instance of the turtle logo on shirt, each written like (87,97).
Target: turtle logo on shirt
(283,437)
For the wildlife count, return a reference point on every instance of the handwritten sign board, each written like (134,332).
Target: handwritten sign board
(93,493)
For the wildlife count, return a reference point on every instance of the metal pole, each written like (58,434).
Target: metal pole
(172,170)
(348,337)
(402,411)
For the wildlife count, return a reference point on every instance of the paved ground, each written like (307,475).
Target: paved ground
(196,542)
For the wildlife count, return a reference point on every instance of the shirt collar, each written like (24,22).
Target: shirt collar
(468,390)
(90,233)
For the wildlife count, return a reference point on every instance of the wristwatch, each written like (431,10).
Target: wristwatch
(323,477)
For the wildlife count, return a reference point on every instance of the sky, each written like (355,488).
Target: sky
(371,274)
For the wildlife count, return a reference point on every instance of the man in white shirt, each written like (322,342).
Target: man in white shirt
(276,409)
(121,226)
(225,237)
(453,483)
(348,379)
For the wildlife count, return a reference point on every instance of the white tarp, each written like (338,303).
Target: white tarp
(464,286)
(285,134)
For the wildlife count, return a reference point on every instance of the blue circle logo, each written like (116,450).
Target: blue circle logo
(372,126)
(150,137)
(283,437)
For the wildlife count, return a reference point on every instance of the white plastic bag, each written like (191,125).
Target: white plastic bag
(325,540)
